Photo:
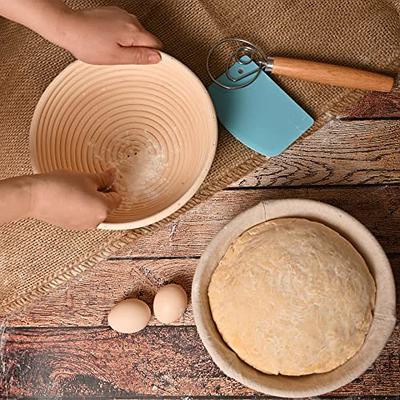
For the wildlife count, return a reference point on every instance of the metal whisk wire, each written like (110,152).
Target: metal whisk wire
(245,54)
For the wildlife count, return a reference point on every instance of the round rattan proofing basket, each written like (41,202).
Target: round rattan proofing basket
(154,123)
(316,384)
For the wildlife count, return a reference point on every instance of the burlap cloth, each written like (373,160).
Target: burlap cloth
(34,257)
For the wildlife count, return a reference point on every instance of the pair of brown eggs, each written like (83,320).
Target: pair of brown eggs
(132,315)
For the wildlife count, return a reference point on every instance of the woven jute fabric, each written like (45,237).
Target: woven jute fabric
(35,257)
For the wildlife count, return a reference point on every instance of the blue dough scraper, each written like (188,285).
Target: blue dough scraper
(261,115)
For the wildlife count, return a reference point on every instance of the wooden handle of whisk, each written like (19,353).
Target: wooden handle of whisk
(332,74)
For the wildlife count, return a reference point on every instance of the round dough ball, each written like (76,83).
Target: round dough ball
(292,297)
(170,303)
(129,316)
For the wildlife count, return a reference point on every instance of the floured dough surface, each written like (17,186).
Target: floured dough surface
(292,297)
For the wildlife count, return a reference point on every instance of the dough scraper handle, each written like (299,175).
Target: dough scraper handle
(330,74)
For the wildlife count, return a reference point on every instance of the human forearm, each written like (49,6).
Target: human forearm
(105,35)
(46,17)
(15,196)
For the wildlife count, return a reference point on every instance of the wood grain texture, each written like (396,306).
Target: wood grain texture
(330,74)
(343,152)
(86,301)
(377,105)
(159,361)
(378,207)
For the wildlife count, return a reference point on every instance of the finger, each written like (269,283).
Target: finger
(140,39)
(105,180)
(112,200)
(136,22)
(137,55)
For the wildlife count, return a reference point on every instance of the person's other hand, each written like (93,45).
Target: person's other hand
(108,35)
(73,200)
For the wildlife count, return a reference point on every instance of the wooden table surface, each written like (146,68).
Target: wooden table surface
(62,348)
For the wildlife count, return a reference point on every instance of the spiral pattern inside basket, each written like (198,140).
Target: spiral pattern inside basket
(154,123)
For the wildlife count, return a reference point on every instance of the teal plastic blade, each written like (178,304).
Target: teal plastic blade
(262,116)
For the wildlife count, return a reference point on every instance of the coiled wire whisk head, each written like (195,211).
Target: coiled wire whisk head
(239,51)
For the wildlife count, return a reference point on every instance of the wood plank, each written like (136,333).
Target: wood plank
(314,160)
(160,361)
(85,301)
(375,206)
(342,152)
(377,105)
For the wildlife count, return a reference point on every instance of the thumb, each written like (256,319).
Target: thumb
(112,200)
(137,55)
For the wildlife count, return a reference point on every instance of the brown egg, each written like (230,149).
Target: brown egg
(129,316)
(170,303)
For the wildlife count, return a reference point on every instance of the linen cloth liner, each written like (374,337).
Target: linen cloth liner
(34,256)
(304,386)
